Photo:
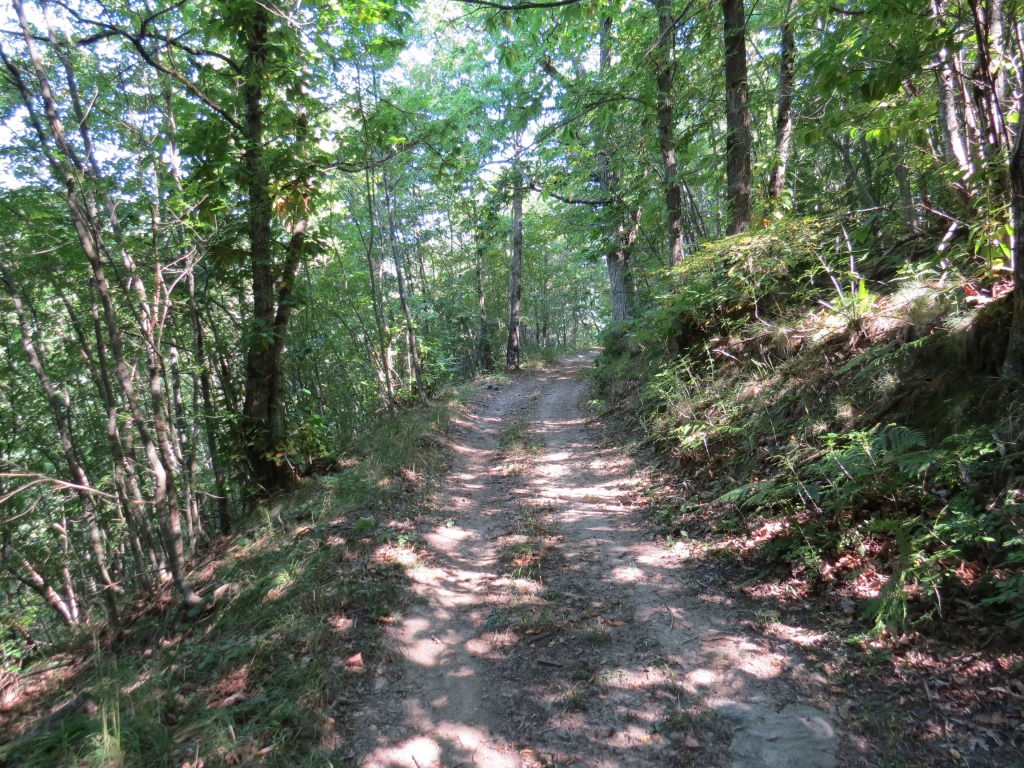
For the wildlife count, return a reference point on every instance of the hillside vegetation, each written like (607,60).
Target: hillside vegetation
(835,415)
(249,250)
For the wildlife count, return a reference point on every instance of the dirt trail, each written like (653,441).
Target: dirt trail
(552,630)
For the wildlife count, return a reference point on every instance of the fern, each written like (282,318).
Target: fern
(738,495)
(867,361)
(897,439)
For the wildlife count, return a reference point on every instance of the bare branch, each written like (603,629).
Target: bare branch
(519,6)
(40,479)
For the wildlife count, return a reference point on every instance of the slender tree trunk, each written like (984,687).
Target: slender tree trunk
(618,256)
(126,483)
(664,65)
(515,287)
(783,111)
(1013,365)
(208,410)
(953,140)
(58,410)
(410,328)
(483,343)
(383,332)
(85,217)
(988,86)
(35,581)
(738,142)
(902,173)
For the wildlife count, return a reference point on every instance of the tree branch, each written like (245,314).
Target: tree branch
(519,6)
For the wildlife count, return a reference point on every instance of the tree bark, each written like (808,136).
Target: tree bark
(619,263)
(783,112)
(664,65)
(739,177)
(1013,365)
(263,410)
(485,359)
(515,286)
(410,329)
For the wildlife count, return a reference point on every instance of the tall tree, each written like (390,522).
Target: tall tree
(664,68)
(515,269)
(737,117)
(784,107)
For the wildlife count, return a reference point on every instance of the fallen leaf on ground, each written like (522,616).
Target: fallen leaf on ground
(355,661)
(993,719)
(230,700)
(691,741)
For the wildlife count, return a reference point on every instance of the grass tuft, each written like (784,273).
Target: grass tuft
(255,679)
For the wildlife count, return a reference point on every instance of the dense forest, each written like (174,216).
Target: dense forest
(239,238)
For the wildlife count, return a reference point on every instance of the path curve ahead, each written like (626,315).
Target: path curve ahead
(550,628)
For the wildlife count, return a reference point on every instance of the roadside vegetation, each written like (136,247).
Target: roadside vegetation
(246,248)
(268,668)
(835,440)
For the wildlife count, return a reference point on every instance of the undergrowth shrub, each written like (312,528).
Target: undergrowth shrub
(725,283)
(785,387)
(887,481)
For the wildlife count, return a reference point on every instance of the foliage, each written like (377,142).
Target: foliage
(257,675)
(236,240)
(780,406)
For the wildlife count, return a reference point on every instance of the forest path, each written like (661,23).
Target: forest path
(550,629)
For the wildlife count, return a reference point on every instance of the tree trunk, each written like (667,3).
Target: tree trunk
(35,581)
(410,329)
(739,177)
(664,65)
(208,410)
(954,142)
(70,171)
(783,112)
(485,359)
(618,256)
(988,85)
(70,452)
(619,262)
(1013,365)
(515,287)
(263,418)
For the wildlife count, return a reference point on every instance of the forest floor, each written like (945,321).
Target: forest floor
(527,607)
(549,627)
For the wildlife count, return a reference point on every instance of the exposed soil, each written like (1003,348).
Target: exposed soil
(550,628)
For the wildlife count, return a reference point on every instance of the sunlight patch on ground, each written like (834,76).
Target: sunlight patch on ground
(422,648)
(795,634)
(591,494)
(627,574)
(469,745)
(698,677)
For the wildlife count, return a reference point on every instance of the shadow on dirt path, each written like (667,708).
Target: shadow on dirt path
(549,628)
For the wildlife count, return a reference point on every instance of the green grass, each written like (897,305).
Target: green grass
(524,559)
(870,431)
(254,679)
(517,440)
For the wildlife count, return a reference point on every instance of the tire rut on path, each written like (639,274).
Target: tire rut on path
(610,656)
